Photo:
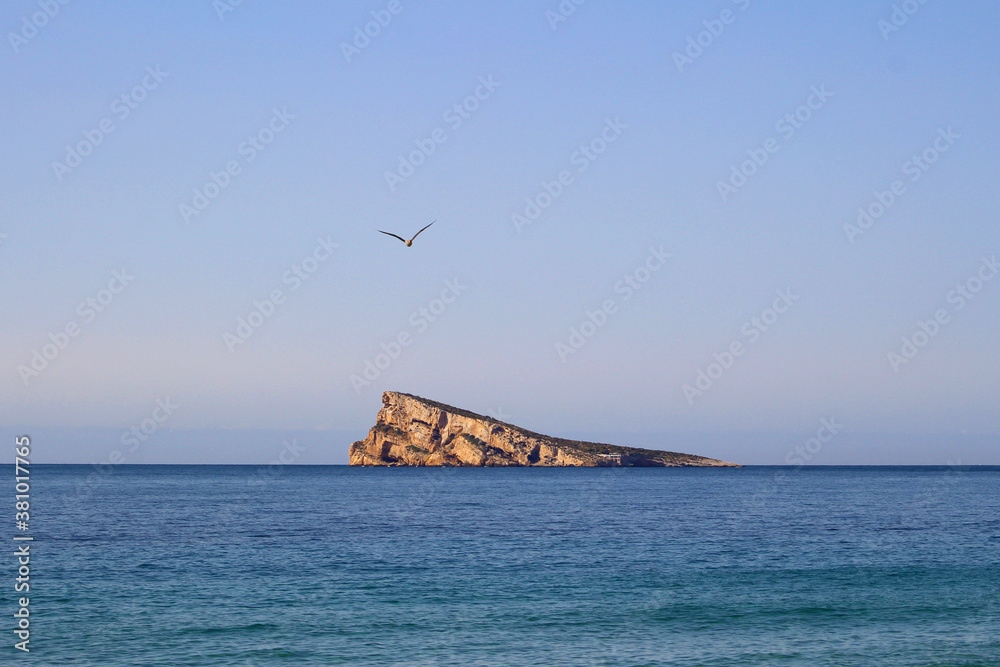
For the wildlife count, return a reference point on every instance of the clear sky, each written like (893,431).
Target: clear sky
(166,167)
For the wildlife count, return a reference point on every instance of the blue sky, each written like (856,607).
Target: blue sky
(200,92)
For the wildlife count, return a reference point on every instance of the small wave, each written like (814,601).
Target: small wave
(253,627)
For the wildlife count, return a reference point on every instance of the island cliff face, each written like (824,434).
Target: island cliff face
(413,431)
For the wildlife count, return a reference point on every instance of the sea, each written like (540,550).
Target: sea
(333,565)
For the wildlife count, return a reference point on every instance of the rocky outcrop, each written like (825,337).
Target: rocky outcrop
(413,431)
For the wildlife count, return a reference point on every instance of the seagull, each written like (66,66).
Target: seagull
(410,242)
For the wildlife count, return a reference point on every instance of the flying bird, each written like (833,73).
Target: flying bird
(410,242)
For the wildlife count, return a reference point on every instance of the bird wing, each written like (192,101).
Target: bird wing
(418,233)
(393,235)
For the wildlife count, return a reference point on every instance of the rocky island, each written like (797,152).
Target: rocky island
(414,431)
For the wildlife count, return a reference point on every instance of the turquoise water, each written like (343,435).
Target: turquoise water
(223,565)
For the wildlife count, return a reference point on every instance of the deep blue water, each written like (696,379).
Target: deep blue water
(218,565)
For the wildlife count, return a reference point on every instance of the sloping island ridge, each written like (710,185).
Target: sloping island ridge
(414,431)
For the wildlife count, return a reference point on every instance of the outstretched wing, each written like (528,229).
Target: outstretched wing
(394,236)
(418,233)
